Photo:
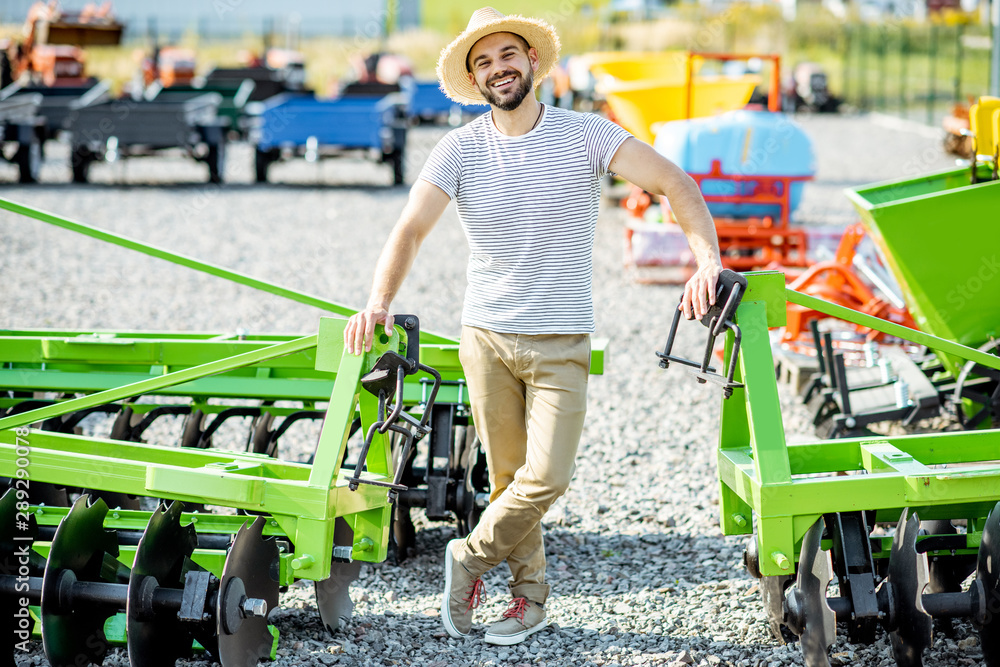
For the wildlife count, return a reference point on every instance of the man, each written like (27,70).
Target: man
(526,180)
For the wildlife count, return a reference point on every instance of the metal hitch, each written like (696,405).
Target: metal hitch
(385,380)
(730,289)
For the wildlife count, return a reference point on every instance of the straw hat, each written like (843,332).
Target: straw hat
(451,69)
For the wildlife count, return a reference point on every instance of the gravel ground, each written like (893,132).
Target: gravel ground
(641,574)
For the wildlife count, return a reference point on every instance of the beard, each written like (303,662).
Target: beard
(510,100)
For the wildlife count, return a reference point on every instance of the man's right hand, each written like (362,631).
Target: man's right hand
(360,331)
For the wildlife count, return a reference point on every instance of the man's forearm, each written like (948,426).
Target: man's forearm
(694,218)
(392,267)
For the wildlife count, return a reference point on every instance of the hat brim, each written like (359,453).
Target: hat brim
(451,70)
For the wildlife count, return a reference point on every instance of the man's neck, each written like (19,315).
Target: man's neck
(520,120)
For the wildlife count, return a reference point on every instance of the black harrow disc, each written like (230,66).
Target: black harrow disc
(946,573)
(163,554)
(244,639)
(772,595)
(809,614)
(333,594)
(468,511)
(15,538)
(988,574)
(82,550)
(907,578)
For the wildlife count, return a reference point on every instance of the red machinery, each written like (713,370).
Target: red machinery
(746,241)
(170,65)
(837,281)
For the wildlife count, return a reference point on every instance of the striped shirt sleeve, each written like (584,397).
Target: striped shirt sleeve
(603,139)
(444,165)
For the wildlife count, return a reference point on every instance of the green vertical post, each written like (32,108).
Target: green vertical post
(994,68)
(862,68)
(959,30)
(734,433)
(734,430)
(846,68)
(883,34)
(904,47)
(767,434)
(932,54)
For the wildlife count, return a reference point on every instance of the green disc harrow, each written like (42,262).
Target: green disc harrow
(822,509)
(171,547)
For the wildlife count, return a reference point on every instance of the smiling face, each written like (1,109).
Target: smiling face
(502,66)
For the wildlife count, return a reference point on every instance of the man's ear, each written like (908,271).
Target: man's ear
(472,77)
(533,59)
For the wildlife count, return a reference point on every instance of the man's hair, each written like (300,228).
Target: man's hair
(524,43)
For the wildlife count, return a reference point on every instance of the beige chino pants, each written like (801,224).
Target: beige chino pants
(529,397)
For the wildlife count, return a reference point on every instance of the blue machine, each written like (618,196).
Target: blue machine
(429,104)
(745,143)
(292,125)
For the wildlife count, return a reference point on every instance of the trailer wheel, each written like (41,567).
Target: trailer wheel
(81,159)
(216,162)
(29,160)
(262,161)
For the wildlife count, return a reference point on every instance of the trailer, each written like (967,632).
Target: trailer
(23,128)
(58,103)
(289,126)
(235,95)
(128,127)
(268,81)
(429,104)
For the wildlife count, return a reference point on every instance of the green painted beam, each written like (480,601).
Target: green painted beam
(154,384)
(766,430)
(930,449)
(219,386)
(906,333)
(253,482)
(189,262)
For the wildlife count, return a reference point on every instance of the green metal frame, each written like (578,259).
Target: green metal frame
(784,488)
(302,500)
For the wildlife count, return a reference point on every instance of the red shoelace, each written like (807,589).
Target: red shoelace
(477,593)
(516,609)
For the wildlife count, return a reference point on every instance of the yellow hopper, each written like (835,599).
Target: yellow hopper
(638,105)
(638,65)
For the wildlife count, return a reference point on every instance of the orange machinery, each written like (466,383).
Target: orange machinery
(753,241)
(51,53)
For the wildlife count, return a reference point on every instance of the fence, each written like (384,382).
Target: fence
(915,71)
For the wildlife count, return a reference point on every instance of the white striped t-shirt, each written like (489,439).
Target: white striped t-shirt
(528,205)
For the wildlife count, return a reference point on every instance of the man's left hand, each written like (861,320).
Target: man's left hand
(699,291)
